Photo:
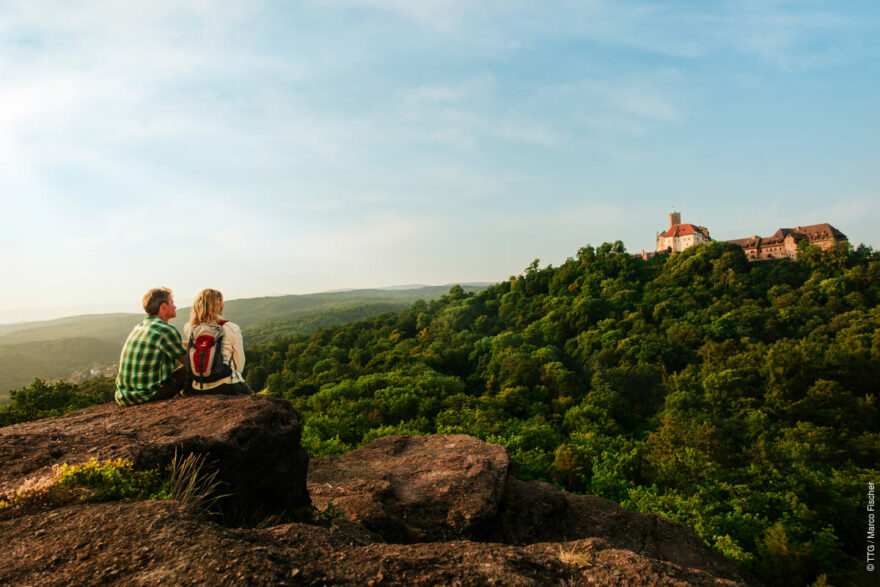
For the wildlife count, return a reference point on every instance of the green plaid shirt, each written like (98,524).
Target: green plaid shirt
(148,358)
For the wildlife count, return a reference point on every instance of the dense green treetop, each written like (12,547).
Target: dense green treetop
(45,400)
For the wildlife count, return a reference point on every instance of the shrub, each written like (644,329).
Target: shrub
(187,480)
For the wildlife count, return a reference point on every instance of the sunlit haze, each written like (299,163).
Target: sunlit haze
(269,148)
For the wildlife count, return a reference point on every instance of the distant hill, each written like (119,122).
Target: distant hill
(52,349)
(20,363)
(108,327)
(312,319)
(254,311)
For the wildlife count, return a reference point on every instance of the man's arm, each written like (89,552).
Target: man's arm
(172,345)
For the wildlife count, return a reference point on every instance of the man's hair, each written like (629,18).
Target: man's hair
(154,299)
(207,307)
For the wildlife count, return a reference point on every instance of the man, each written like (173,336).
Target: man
(148,365)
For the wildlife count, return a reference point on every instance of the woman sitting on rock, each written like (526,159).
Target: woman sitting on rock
(215,350)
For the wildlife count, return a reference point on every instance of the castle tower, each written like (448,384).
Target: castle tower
(680,236)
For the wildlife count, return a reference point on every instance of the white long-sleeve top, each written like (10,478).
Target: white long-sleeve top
(232,348)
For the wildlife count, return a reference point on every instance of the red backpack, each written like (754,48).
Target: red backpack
(205,355)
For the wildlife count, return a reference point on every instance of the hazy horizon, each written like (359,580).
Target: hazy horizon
(277,148)
(12,317)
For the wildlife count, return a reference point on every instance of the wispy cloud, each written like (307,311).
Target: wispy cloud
(436,13)
(528,131)
(450,93)
(782,34)
(641,102)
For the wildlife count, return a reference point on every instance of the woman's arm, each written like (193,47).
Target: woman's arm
(237,346)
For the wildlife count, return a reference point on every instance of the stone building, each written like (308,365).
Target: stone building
(783,244)
(680,236)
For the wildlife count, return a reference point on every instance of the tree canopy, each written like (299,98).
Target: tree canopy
(737,398)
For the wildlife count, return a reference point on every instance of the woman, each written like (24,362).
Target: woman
(206,333)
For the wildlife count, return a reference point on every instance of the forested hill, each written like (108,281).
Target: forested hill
(737,398)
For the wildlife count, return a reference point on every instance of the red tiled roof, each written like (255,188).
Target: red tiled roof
(684,230)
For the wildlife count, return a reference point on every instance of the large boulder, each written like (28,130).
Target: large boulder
(605,533)
(252,441)
(421,489)
(594,561)
(416,488)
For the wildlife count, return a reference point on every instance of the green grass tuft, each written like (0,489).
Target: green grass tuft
(190,482)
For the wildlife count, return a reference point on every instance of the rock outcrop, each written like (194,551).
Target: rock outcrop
(538,512)
(416,488)
(437,510)
(254,443)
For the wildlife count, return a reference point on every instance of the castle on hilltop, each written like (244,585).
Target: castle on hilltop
(782,244)
(680,236)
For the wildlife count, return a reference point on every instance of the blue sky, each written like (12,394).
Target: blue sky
(266,148)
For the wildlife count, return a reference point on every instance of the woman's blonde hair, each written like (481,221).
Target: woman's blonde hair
(207,307)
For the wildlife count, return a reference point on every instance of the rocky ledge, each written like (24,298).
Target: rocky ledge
(437,510)
(254,443)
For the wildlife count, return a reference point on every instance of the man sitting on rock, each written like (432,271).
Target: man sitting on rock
(148,369)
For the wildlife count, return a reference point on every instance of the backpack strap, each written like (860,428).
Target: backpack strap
(220,338)
(190,346)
